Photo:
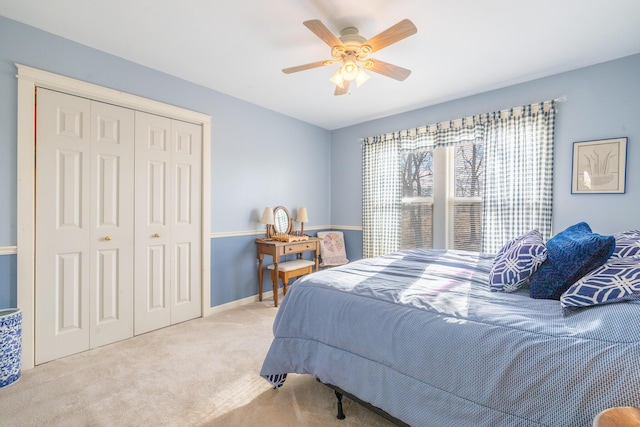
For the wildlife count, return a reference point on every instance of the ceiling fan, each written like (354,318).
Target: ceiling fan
(353,51)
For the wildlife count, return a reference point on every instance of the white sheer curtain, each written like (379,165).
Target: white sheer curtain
(518,169)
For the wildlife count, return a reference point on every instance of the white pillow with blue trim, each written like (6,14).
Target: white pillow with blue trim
(627,244)
(616,281)
(516,261)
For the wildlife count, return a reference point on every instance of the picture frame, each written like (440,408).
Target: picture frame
(599,166)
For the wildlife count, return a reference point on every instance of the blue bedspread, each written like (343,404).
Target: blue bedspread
(418,334)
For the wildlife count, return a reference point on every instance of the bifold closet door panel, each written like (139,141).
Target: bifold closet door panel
(111,298)
(63,225)
(168,222)
(186,223)
(152,299)
(84,224)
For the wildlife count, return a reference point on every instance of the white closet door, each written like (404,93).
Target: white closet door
(152,222)
(186,187)
(84,224)
(62,225)
(168,222)
(118,223)
(111,298)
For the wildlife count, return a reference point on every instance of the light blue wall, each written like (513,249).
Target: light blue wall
(242,282)
(258,157)
(603,101)
(248,149)
(8,295)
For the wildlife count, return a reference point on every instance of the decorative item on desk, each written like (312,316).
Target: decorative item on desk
(284,237)
(267,218)
(302,218)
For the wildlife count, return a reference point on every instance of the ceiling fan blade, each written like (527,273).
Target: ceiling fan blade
(393,34)
(388,70)
(342,90)
(320,30)
(307,66)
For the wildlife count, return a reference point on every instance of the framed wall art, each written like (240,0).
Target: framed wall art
(599,166)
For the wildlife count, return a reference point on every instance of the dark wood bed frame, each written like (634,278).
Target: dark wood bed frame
(340,393)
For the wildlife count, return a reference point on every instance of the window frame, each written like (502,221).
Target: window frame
(451,199)
(429,200)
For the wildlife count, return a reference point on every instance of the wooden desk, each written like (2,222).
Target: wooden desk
(277,249)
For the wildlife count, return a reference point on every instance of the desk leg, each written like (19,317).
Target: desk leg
(275,283)
(260,278)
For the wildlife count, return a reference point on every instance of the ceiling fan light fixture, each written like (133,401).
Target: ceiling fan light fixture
(361,77)
(337,79)
(350,68)
(352,51)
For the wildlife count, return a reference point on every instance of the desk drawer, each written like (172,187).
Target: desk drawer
(295,248)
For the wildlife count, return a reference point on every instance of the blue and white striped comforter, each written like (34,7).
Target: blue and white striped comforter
(418,334)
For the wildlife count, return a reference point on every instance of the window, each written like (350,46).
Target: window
(464,196)
(416,228)
(466,172)
(469,184)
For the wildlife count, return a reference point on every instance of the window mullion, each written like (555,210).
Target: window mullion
(440,185)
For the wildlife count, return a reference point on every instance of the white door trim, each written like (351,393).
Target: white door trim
(28,79)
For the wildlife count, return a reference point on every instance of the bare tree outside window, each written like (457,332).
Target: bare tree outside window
(466,206)
(467,202)
(417,200)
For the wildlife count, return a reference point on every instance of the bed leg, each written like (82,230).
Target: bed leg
(340,415)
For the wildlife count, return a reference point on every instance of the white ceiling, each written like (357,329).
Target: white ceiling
(239,47)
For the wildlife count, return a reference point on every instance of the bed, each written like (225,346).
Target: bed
(419,335)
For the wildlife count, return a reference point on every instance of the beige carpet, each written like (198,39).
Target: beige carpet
(204,372)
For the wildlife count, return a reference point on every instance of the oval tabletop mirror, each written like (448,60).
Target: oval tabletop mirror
(282,221)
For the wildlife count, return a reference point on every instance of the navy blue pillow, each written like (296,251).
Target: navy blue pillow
(570,255)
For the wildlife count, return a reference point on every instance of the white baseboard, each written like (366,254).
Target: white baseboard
(240,302)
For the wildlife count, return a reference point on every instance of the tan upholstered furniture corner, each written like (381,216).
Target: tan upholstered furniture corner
(288,270)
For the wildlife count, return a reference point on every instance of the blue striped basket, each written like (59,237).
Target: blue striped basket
(10,345)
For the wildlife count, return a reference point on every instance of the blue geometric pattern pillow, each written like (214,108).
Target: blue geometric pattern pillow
(516,261)
(627,244)
(616,281)
(276,380)
(571,254)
